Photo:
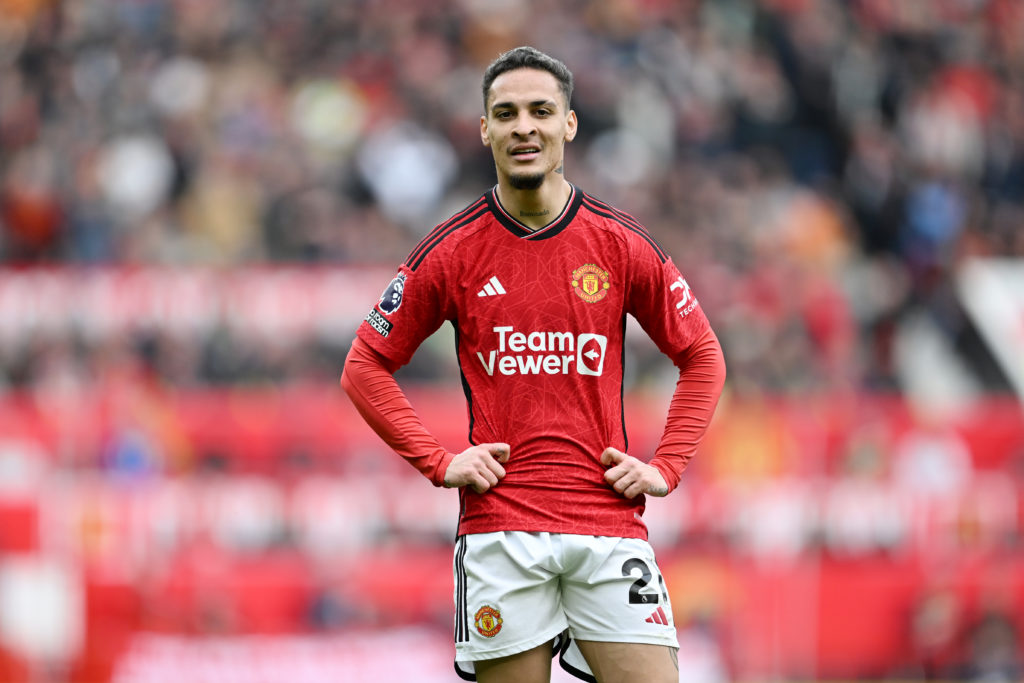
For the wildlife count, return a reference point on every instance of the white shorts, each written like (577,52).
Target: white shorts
(515,590)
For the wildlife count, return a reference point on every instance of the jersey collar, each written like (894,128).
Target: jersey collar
(550,230)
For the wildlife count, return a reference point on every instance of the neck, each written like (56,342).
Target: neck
(535,208)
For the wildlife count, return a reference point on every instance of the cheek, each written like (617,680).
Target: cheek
(492,138)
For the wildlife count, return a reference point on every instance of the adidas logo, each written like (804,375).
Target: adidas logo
(492,288)
(657,617)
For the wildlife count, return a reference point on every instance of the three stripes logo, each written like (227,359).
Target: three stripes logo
(492,288)
(657,617)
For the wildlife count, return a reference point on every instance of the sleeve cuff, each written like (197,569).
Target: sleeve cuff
(442,468)
(669,474)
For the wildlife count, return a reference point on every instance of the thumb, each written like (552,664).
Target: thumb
(500,451)
(612,456)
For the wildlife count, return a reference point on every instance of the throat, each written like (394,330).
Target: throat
(534,210)
(534,218)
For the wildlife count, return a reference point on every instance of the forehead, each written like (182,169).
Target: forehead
(525,85)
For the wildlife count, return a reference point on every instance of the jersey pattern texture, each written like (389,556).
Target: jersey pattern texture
(540,318)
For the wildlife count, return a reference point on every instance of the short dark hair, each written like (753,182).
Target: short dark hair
(526,57)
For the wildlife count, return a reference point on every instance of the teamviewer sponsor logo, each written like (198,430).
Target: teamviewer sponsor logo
(544,352)
(590,358)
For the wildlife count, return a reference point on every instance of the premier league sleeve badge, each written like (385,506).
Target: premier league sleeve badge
(391,299)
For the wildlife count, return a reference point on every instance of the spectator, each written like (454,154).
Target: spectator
(861,137)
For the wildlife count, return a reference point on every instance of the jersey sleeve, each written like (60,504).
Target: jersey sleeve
(668,310)
(410,309)
(662,302)
(367,379)
(701,378)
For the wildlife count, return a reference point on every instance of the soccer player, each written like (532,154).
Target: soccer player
(537,276)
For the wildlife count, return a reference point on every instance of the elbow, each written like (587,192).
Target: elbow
(720,367)
(362,365)
(346,378)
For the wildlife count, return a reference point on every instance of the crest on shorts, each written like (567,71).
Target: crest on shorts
(488,621)
(590,282)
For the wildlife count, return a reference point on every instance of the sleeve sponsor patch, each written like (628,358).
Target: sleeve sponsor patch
(379,322)
(686,301)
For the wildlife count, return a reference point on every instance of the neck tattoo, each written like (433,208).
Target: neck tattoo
(534,214)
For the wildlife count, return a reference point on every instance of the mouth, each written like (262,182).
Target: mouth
(525,152)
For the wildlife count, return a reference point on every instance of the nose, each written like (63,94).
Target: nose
(524,125)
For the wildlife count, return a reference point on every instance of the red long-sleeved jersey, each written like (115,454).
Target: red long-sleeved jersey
(540,318)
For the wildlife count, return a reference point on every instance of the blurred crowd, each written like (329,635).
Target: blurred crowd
(819,169)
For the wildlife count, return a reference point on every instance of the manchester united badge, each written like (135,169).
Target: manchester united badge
(488,621)
(590,282)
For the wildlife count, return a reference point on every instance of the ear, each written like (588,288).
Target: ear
(483,132)
(571,125)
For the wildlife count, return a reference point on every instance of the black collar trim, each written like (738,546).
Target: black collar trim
(550,230)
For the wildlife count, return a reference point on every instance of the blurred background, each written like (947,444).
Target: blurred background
(199,201)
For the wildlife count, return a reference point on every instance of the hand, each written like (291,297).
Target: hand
(631,477)
(478,466)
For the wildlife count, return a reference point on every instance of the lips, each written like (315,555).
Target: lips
(525,152)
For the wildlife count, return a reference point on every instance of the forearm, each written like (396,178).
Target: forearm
(369,383)
(701,378)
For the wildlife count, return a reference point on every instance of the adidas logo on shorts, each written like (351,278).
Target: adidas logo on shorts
(657,617)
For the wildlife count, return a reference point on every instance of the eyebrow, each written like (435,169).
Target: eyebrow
(534,103)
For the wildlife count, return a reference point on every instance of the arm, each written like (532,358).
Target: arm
(368,381)
(701,378)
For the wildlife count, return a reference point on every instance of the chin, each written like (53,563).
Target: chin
(526,181)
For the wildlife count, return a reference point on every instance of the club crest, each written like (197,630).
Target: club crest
(488,621)
(590,282)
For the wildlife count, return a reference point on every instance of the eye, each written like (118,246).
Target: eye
(543,112)
(505,115)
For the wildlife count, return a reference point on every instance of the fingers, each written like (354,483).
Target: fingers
(619,468)
(478,467)
(630,486)
(489,465)
(500,451)
(485,472)
(631,477)
(612,456)
(496,453)
(483,480)
(625,482)
(634,490)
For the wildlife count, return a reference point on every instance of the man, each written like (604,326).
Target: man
(537,277)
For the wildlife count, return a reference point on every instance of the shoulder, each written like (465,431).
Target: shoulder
(445,235)
(629,229)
